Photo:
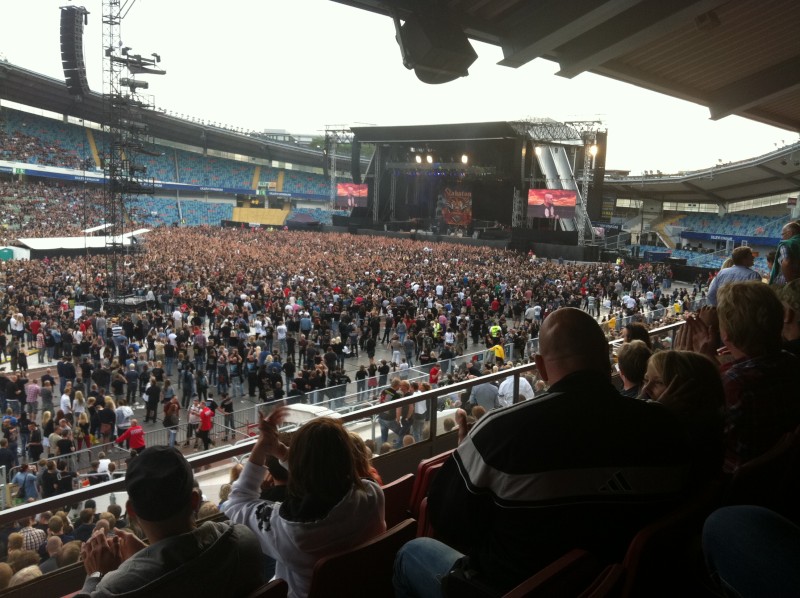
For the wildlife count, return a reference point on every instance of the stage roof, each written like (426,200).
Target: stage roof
(772,174)
(453,132)
(735,57)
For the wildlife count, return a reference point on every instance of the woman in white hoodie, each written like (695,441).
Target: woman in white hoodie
(328,506)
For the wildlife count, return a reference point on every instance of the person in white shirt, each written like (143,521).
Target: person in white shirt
(505,394)
(281,331)
(177,318)
(66,402)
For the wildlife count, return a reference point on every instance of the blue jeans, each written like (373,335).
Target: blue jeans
(386,426)
(420,566)
(753,551)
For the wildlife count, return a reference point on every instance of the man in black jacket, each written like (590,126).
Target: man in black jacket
(579,467)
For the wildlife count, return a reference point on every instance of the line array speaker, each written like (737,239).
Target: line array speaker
(72,19)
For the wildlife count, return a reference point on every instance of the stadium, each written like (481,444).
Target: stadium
(244,289)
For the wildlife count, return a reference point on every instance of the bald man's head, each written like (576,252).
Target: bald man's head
(570,341)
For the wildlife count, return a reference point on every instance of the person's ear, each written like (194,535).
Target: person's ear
(129,509)
(541,367)
(196,499)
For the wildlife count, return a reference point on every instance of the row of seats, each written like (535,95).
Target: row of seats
(37,139)
(748,225)
(662,558)
(163,211)
(711,261)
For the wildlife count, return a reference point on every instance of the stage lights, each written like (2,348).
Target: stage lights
(593,150)
(538,150)
(429,159)
(418,159)
(464,158)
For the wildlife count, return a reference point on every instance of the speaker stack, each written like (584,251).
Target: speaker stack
(72,20)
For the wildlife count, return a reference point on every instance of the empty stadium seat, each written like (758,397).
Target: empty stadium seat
(424,478)
(364,570)
(397,496)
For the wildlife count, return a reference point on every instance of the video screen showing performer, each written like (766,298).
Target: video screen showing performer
(551,203)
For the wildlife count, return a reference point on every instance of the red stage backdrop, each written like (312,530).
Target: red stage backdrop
(350,195)
(551,203)
(457,209)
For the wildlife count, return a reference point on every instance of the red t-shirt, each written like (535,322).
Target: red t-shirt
(206,419)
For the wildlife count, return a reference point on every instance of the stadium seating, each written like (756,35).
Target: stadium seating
(306,183)
(163,211)
(397,497)
(712,261)
(748,225)
(34,139)
(364,570)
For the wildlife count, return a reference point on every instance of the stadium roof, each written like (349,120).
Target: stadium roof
(735,57)
(771,174)
(39,91)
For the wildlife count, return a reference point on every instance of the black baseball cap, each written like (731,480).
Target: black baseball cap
(159,483)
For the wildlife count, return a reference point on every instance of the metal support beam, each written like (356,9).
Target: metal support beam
(642,23)
(756,88)
(549,23)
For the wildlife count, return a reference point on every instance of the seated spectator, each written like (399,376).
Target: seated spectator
(689,385)
(26,574)
(162,497)
(6,573)
(786,266)
(579,467)
(69,554)
(484,395)
(53,547)
(761,382)
(636,331)
(328,507)
(752,551)
(740,271)
(363,456)
(505,394)
(789,295)
(19,558)
(632,364)
(84,530)
(32,538)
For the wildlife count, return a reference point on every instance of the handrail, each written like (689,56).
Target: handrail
(216,455)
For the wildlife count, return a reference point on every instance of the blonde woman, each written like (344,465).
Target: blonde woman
(82,433)
(78,405)
(47,429)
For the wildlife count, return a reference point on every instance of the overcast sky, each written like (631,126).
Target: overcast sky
(299,65)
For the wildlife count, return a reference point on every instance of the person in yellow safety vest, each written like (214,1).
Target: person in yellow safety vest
(437,330)
(495,331)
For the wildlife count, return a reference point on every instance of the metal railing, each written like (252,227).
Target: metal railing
(367,413)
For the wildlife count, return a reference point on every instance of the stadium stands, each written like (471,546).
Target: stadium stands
(747,225)
(195,169)
(306,183)
(36,139)
(163,211)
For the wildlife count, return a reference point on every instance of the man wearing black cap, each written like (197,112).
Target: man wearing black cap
(162,497)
